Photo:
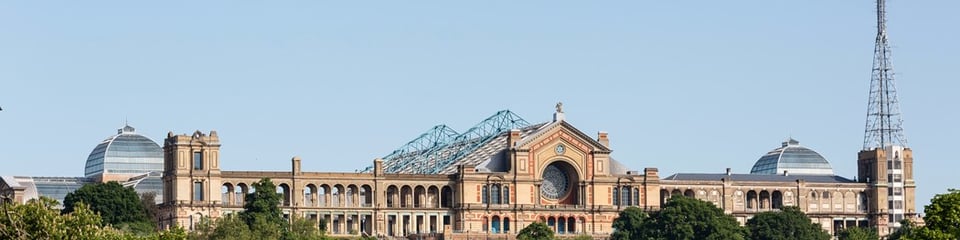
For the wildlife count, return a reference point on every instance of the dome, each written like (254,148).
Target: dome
(794,159)
(126,153)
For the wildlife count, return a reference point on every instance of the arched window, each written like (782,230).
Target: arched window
(483,198)
(561,225)
(506,225)
(616,199)
(495,193)
(636,196)
(506,197)
(625,196)
(495,224)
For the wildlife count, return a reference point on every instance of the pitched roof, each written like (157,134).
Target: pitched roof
(759,177)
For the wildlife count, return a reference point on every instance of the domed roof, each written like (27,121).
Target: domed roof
(794,159)
(126,153)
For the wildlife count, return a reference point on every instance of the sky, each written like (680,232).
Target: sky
(681,86)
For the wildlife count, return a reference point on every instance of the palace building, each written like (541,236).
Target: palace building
(504,173)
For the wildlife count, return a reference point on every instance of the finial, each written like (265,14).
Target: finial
(559,107)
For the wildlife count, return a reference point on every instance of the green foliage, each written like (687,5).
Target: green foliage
(39,219)
(150,208)
(116,205)
(231,227)
(303,229)
(856,233)
(789,223)
(629,224)
(943,213)
(688,218)
(263,204)
(583,237)
(535,231)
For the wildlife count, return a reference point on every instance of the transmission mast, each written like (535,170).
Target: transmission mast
(884,130)
(884,125)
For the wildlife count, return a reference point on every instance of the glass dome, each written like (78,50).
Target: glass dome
(126,153)
(794,159)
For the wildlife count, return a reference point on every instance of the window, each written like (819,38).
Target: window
(197,160)
(198,191)
(483,194)
(506,198)
(495,193)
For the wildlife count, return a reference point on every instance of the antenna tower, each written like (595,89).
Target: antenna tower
(884,126)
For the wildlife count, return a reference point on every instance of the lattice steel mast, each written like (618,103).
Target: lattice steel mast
(884,125)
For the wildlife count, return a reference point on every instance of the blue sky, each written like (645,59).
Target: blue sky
(681,86)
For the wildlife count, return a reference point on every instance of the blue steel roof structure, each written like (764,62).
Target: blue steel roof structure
(440,147)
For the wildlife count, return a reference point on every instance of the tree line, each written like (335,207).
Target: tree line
(111,211)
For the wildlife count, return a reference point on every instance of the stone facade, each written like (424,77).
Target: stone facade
(554,174)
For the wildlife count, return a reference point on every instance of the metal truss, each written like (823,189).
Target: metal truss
(441,146)
(884,125)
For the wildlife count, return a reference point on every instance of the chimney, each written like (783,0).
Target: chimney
(295,161)
(513,138)
(728,172)
(602,138)
(377,167)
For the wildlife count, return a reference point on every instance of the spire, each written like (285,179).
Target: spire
(884,126)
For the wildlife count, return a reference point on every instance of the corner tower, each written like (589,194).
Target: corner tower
(885,163)
(191,178)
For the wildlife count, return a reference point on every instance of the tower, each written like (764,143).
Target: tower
(191,178)
(885,163)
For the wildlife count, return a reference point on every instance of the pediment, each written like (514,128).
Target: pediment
(567,133)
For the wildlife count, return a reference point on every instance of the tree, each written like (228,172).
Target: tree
(789,223)
(629,224)
(689,218)
(535,231)
(943,213)
(117,205)
(856,233)
(263,203)
(150,208)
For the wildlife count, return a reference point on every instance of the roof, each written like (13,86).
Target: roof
(792,158)
(759,177)
(125,153)
(440,150)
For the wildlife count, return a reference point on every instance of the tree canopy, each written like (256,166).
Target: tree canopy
(942,218)
(856,233)
(39,219)
(680,218)
(535,231)
(117,205)
(789,223)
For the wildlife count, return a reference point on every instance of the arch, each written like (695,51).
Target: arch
(571,225)
(349,195)
(764,199)
(484,194)
(419,195)
(752,200)
(738,200)
(406,195)
(849,202)
(495,224)
(240,193)
(689,193)
(615,196)
(676,192)
(837,201)
(336,195)
(226,192)
(556,171)
(506,225)
(543,219)
(284,190)
(446,196)
(495,193)
(664,195)
(625,196)
(366,195)
(561,225)
(636,196)
(552,223)
(392,195)
(433,197)
(506,194)
(309,192)
(323,195)
(862,202)
(486,224)
(777,200)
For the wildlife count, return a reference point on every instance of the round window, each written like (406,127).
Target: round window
(556,182)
